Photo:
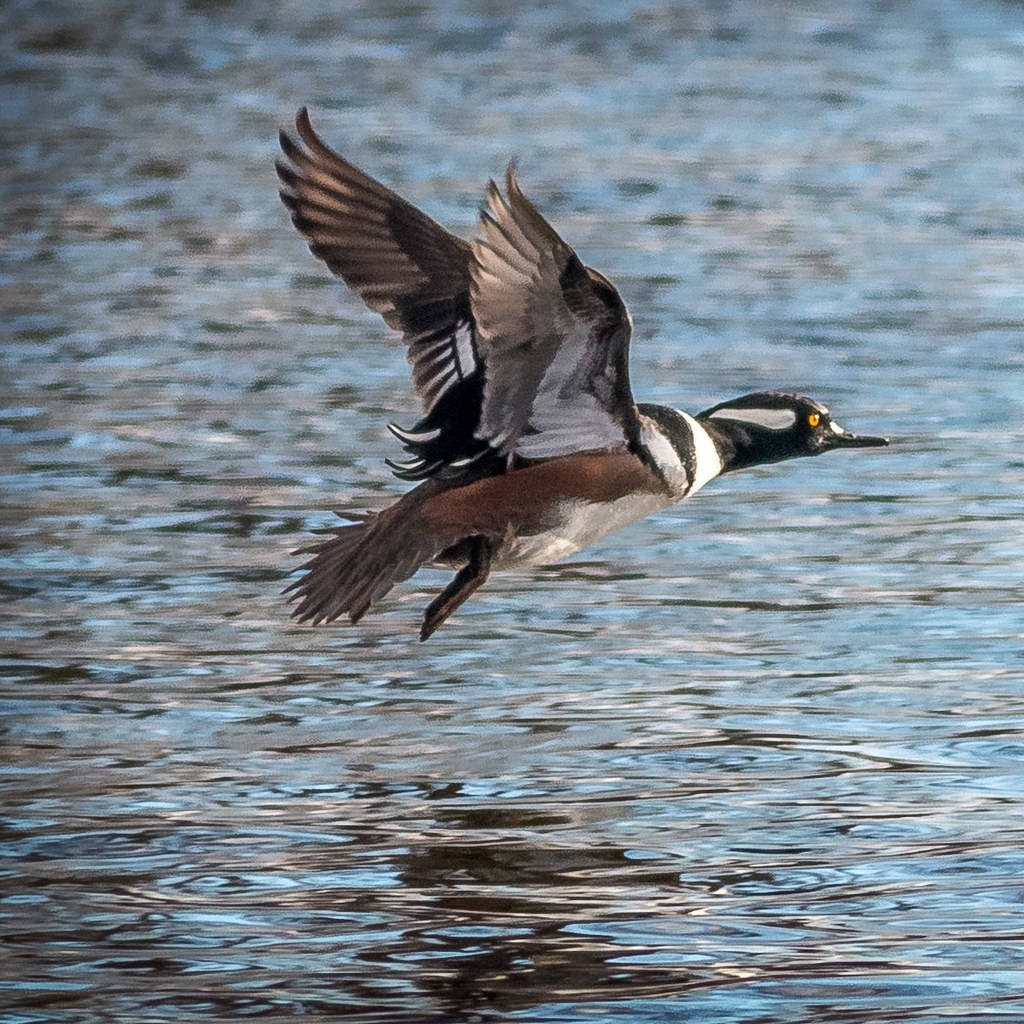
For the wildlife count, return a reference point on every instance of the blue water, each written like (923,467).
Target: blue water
(758,758)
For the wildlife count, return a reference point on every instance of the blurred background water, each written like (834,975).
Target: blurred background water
(758,758)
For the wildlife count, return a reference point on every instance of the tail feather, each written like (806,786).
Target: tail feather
(356,567)
(360,562)
(322,593)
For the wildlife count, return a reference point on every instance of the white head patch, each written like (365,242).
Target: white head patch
(770,419)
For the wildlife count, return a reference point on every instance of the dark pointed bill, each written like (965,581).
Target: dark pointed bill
(844,439)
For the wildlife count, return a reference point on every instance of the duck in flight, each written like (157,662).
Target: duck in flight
(531,445)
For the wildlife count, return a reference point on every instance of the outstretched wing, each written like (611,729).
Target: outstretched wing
(516,347)
(405,266)
(554,336)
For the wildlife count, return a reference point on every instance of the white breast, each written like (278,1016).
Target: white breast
(583,523)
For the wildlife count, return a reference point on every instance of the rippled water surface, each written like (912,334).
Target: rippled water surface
(757,759)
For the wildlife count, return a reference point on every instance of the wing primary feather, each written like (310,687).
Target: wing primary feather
(405,266)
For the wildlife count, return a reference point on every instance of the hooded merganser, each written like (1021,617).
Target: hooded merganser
(531,445)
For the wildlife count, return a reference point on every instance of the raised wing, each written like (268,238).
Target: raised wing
(407,267)
(516,347)
(554,336)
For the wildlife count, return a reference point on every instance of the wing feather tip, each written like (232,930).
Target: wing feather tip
(512,177)
(303,124)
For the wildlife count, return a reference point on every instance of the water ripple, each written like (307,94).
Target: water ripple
(757,759)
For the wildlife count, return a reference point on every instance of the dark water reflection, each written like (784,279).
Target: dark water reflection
(757,759)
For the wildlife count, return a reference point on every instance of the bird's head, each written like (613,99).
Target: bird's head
(769,426)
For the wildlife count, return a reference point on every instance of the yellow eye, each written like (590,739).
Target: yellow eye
(814,419)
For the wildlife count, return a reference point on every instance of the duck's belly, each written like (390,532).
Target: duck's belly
(582,523)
